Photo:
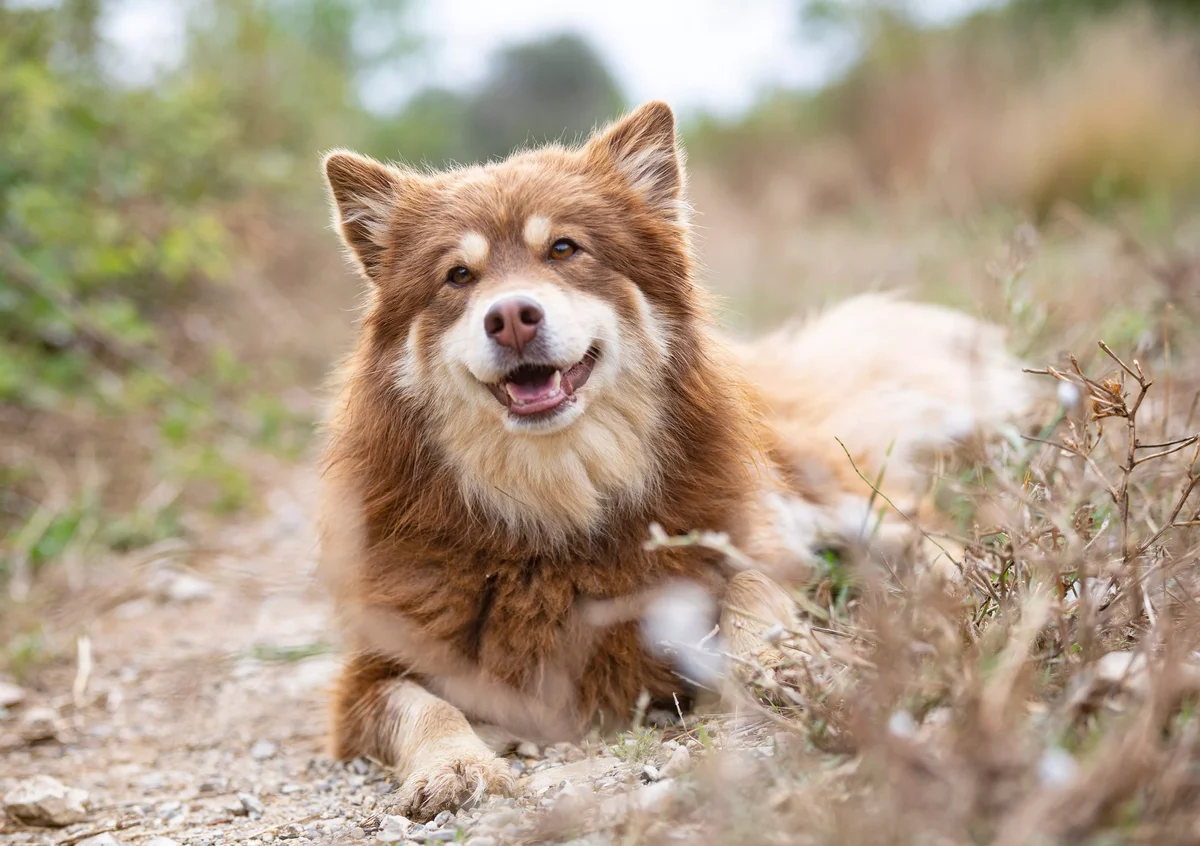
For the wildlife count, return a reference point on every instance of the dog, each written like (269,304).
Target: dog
(537,382)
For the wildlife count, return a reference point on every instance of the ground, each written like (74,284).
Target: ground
(202,717)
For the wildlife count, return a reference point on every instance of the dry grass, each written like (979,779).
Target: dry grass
(1048,696)
(992,116)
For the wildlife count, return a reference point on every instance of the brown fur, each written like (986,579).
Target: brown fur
(444,589)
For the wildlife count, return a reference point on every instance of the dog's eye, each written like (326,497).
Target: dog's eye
(563,248)
(459,276)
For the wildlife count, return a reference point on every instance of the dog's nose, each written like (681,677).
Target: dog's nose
(513,322)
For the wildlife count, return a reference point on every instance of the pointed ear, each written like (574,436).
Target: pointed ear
(645,151)
(364,193)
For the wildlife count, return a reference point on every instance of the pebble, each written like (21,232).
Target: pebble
(100,840)
(501,819)
(42,800)
(651,798)
(357,832)
(679,762)
(169,586)
(38,724)
(445,835)
(651,772)
(528,750)
(289,832)
(152,781)
(263,749)
(254,808)
(161,841)
(444,818)
(482,840)
(10,695)
(393,828)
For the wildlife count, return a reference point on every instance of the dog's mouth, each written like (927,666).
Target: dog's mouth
(540,390)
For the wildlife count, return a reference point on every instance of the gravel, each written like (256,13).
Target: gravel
(45,801)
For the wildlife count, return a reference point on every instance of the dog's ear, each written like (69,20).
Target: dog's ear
(365,194)
(645,151)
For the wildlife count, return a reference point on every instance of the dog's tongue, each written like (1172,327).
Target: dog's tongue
(534,387)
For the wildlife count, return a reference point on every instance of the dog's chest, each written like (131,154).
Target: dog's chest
(546,625)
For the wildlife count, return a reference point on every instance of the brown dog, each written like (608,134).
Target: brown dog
(536,383)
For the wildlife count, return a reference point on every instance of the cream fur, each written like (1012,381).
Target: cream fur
(440,759)
(555,477)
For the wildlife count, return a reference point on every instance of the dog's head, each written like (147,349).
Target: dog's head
(533,307)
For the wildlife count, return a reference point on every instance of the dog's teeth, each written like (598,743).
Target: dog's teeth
(508,389)
(556,381)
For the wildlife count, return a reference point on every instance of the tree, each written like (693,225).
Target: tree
(545,90)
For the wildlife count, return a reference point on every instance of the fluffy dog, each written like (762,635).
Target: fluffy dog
(537,382)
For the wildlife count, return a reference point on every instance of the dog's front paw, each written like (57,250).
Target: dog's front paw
(450,781)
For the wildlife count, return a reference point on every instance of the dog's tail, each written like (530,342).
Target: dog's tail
(893,382)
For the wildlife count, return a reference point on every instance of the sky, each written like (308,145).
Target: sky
(699,55)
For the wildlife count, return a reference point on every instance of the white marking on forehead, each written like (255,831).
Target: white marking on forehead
(537,231)
(474,248)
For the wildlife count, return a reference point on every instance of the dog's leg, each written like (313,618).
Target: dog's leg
(441,762)
(753,604)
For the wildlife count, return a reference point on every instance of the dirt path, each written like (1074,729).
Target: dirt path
(202,717)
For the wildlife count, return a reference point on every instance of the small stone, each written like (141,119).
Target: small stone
(100,840)
(652,798)
(504,817)
(442,819)
(528,750)
(42,800)
(254,808)
(651,772)
(170,586)
(679,762)
(482,840)
(10,695)
(357,832)
(38,724)
(216,784)
(393,828)
(161,841)
(445,835)
(235,809)
(263,749)
(289,832)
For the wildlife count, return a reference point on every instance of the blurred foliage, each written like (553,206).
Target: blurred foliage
(120,214)
(1071,11)
(1022,105)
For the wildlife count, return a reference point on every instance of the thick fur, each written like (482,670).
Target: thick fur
(492,569)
